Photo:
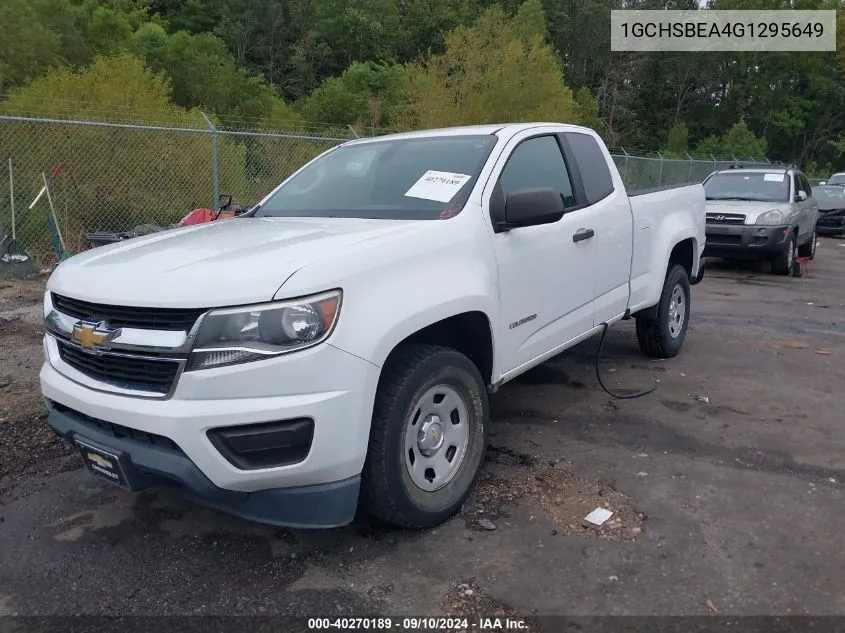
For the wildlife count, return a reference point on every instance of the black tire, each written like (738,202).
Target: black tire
(809,249)
(387,489)
(783,263)
(654,335)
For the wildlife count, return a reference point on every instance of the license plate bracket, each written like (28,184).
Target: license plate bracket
(104,464)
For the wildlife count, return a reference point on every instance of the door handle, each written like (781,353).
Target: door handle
(583,234)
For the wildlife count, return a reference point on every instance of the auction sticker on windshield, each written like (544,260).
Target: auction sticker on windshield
(773,177)
(437,185)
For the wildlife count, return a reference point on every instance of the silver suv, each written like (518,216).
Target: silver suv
(761,214)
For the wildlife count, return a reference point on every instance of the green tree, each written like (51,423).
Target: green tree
(31,46)
(678,140)
(739,140)
(194,16)
(588,109)
(357,30)
(44,34)
(710,145)
(366,94)
(204,73)
(493,71)
(424,24)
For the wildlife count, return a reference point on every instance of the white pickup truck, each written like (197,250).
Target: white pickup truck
(334,347)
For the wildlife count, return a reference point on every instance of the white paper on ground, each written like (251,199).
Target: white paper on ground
(598,516)
(437,185)
(773,177)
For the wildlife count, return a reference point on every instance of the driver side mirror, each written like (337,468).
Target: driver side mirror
(822,183)
(801,196)
(532,206)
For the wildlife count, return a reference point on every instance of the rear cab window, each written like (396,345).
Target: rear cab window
(595,176)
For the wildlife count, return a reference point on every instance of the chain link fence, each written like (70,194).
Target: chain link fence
(112,177)
(644,172)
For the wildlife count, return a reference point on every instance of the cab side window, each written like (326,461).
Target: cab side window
(537,162)
(805,185)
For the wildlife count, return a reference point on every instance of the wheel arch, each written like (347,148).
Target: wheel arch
(469,332)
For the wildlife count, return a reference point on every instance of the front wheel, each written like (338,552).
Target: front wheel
(783,263)
(662,335)
(809,249)
(427,438)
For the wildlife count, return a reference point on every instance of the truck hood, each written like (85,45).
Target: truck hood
(231,262)
(751,210)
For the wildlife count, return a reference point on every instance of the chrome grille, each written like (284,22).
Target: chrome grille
(129,316)
(143,373)
(725,218)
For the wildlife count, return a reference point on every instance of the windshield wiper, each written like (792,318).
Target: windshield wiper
(740,198)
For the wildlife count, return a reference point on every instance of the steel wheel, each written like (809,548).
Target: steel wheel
(436,437)
(677,311)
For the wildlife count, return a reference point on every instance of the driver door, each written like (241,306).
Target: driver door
(546,272)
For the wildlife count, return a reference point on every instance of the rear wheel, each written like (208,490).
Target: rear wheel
(662,336)
(809,249)
(427,437)
(783,263)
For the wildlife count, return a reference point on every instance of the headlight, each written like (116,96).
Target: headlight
(774,217)
(238,335)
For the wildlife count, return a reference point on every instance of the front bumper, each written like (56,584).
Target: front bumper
(325,384)
(743,241)
(148,461)
(831,223)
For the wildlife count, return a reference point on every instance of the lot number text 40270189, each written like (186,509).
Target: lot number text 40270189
(418,624)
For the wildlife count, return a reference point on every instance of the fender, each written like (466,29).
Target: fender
(394,288)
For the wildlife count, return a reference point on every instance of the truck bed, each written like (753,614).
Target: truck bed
(662,216)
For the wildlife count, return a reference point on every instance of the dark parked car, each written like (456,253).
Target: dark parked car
(831,199)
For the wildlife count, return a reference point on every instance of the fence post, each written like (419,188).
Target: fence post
(354,133)
(215,176)
(690,165)
(660,175)
(626,162)
(715,167)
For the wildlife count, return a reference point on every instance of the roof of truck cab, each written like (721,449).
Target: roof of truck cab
(507,128)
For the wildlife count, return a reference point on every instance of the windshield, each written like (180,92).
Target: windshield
(748,186)
(838,179)
(405,179)
(830,197)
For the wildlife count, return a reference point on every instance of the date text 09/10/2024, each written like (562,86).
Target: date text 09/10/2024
(418,624)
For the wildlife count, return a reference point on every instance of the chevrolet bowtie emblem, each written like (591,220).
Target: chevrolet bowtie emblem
(93,336)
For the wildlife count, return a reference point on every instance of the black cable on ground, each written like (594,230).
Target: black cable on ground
(622,393)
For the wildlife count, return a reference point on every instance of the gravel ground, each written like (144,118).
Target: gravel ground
(26,443)
(726,485)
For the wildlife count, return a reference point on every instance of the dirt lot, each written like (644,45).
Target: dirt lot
(726,483)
